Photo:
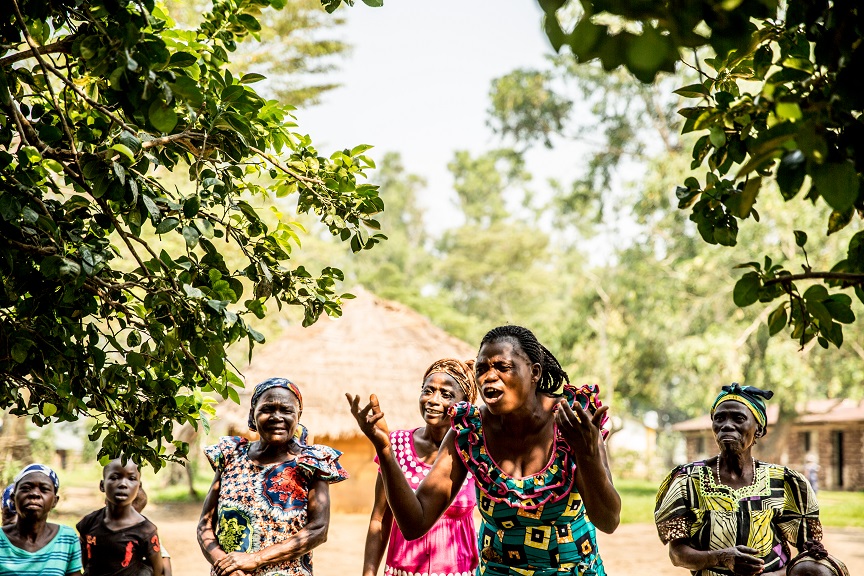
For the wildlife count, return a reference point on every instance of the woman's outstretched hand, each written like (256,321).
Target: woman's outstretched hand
(579,428)
(370,418)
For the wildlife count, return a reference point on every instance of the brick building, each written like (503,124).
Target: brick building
(827,435)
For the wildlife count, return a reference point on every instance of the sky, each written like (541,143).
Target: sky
(417,82)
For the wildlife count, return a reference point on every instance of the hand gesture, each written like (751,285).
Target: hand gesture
(580,429)
(741,560)
(236,564)
(371,420)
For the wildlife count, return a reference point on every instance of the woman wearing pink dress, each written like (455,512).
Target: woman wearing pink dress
(450,547)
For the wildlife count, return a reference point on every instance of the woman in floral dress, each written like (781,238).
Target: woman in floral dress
(269,504)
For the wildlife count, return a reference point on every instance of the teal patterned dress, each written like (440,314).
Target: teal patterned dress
(531,526)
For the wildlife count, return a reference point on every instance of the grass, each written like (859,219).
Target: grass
(836,509)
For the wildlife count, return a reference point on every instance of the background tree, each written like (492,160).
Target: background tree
(777,96)
(98,100)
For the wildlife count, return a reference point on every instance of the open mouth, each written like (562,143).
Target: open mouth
(492,394)
(434,413)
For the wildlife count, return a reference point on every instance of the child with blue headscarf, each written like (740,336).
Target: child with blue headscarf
(32,546)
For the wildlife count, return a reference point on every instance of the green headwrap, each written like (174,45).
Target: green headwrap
(753,398)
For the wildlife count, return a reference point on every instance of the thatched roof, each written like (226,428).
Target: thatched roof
(376,346)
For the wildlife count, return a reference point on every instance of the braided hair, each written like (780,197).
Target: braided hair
(552,376)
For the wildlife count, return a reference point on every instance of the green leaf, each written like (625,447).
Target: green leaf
(191,206)
(374,3)
(251,78)
(840,311)
(746,290)
(48,409)
(191,236)
(800,238)
(692,91)
(837,182)
(124,150)
(182,60)
(777,320)
(788,110)
(839,220)
(717,136)
(820,312)
(166,225)
(816,293)
(162,116)
(205,227)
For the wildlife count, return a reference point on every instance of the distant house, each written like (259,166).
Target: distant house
(376,346)
(826,433)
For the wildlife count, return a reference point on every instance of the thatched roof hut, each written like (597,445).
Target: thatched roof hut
(376,346)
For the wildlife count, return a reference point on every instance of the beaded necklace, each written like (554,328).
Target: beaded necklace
(719,481)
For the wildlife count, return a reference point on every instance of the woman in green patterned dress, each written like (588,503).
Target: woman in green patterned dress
(732,514)
(536,451)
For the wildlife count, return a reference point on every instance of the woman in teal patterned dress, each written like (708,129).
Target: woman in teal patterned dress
(269,504)
(537,453)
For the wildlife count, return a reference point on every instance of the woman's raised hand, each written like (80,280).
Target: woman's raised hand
(579,428)
(370,418)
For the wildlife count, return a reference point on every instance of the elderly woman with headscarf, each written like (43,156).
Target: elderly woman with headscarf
(732,514)
(269,504)
(450,546)
(32,546)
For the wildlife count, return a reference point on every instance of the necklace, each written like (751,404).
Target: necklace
(717,469)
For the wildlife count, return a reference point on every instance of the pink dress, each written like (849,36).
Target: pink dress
(450,546)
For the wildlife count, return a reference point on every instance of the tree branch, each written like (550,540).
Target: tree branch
(278,164)
(145,144)
(61,47)
(847,277)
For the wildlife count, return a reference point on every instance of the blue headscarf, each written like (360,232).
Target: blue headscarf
(753,398)
(8,502)
(32,469)
(300,433)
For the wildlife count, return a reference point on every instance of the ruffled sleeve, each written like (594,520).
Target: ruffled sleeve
(799,520)
(319,461)
(673,513)
(588,397)
(220,454)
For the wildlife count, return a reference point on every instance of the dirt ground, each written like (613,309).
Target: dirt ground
(633,550)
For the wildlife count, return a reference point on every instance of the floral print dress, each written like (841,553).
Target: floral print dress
(260,506)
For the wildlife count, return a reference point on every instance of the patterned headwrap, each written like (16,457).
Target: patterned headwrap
(32,469)
(753,398)
(815,552)
(300,433)
(462,372)
(8,503)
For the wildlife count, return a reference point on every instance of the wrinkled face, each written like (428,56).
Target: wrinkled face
(506,376)
(735,427)
(440,391)
(120,483)
(276,415)
(35,496)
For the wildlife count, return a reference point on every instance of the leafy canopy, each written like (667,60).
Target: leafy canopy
(117,299)
(778,107)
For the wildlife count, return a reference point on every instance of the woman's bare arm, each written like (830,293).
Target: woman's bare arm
(415,513)
(738,559)
(378,534)
(206,524)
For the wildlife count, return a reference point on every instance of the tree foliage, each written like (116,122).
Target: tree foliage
(99,316)
(777,108)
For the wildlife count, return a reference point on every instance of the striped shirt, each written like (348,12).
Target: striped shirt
(61,556)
